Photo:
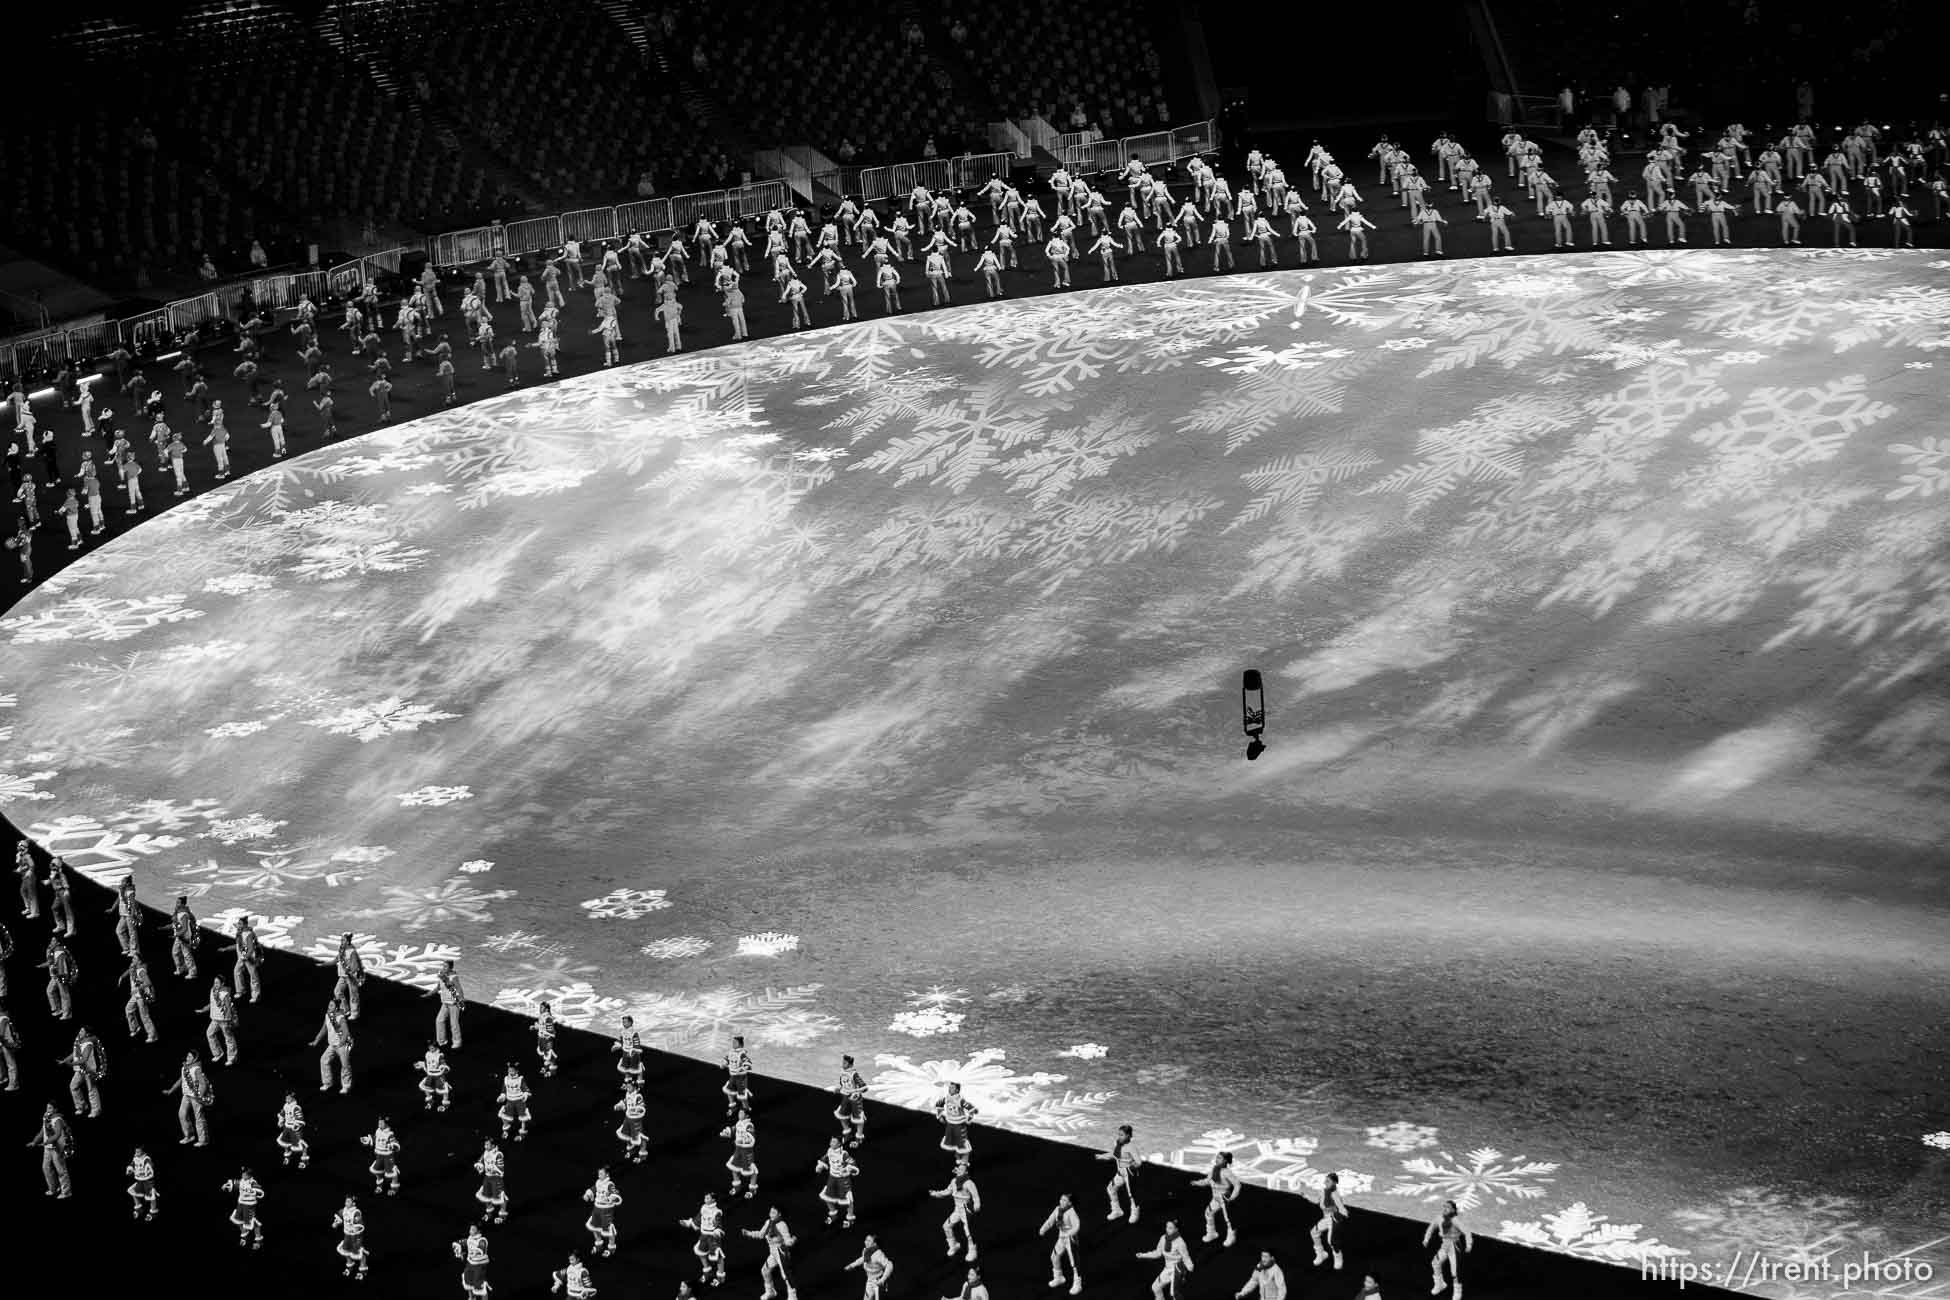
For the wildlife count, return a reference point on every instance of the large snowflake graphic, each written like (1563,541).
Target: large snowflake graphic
(16,786)
(451,902)
(704,1022)
(417,965)
(99,618)
(1577,1230)
(1005,1098)
(1481,1175)
(576,1004)
(1284,1164)
(272,931)
(387,717)
(626,904)
(165,815)
(102,854)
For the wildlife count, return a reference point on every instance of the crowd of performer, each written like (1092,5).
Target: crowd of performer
(989,235)
(511,1109)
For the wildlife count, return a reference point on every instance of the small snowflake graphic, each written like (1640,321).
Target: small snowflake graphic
(927,1022)
(1576,1230)
(475,866)
(769,944)
(435,796)
(938,996)
(512,941)
(272,931)
(1163,1076)
(1402,1137)
(236,830)
(234,730)
(237,584)
(363,853)
(1483,1174)
(682,945)
(626,904)
(453,901)
(370,722)
(576,1004)
(165,815)
(1941,1141)
(1086,1052)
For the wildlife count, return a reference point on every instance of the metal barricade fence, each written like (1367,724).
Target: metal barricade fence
(188,313)
(345,278)
(974,169)
(456,247)
(642,216)
(532,235)
(281,291)
(876,183)
(757,198)
(149,330)
(389,260)
(96,339)
(1152,149)
(590,223)
(1198,138)
(43,351)
(844,181)
(685,209)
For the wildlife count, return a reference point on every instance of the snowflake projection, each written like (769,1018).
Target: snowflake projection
(1905,316)
(363,854)
(1926,468)
(99,852)
(1801,1230)
(769,944)
(558,968)
(274,873)
(513,941)
(19,786)
(1023,1102)
(235,730)
(99,618)
(165,815)
(435,796)
(1283,1164)
(1939,1140)
(626,904)
(329,561)
(272,931)
(1168,1075)
(415,965)
(1486,447)
(1288,487)
(1794,427)
(1401,1137)
(577,1005)
(938,995)
(1578,1230)
(706,1021)
(236,830)
(451,902)
(387,717)
(1086,1052)
(475,867)
(1481,1175)
(676,947)
(927,1022)
(238,584)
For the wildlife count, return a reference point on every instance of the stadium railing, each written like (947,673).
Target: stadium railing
(1009,137)
(1078,150)
(1086,153)
(1040,133)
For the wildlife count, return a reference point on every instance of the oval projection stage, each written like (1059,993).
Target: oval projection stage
(877,690)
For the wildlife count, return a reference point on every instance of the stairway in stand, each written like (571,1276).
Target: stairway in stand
(329,31)
(625,16)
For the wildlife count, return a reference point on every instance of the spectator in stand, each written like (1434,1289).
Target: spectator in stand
(1621,105)
(208,269)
